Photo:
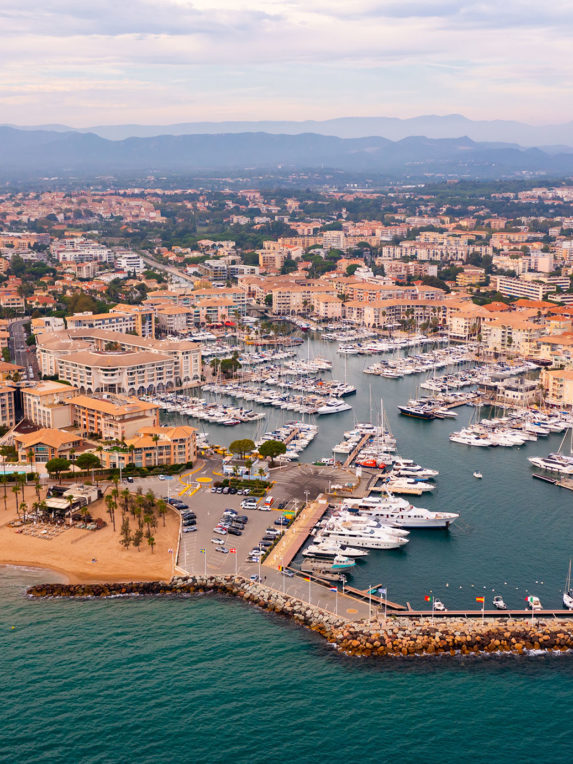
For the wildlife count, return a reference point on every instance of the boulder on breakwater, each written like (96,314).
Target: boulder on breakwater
(396,636)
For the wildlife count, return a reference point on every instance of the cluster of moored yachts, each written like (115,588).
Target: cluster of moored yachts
(356,526)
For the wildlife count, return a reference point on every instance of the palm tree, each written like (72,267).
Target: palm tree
(125,497)
(162,509)
(155,439)
(23,509)
(5,482)
(16,491)
(110,503)
(151,542)
(37,487)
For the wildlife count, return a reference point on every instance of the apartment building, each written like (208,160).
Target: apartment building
(327,306)
(45,444)
(135,373)
(153,446)
(7,406)
(511,334)
(470,276)
(130,262)
(140,364)
(533,288)
(47,404)
(292,299)
(112,417)
(392,312)
(558,386)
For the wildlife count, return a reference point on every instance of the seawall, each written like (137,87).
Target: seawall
(395,636)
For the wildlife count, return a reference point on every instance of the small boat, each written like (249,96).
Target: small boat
(478,475)
(499,603)
(439,606)
(534,603)
(568,593)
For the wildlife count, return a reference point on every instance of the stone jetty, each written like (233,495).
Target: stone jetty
(394,636)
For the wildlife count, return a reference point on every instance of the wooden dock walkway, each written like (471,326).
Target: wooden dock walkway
(352,455)
(373,598)
(489,614)
(290,543)
(561,483)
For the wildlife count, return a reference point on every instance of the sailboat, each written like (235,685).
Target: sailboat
(568,593)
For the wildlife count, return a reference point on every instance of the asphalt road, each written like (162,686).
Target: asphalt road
(20,353)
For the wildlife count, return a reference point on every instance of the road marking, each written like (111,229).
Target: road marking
(204,479)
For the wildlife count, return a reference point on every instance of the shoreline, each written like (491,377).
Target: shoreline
(69,577)
(395,637)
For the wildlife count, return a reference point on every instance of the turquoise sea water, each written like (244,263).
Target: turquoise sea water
(212,680)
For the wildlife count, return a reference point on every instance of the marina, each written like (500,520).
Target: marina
(499,515)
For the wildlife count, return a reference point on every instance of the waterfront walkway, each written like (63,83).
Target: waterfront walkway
(489,614)
(290,543)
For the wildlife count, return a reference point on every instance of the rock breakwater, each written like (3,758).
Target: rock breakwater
(395,636)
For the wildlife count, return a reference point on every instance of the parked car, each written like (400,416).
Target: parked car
(246,491)
(222,549)
(129,479)
(235,531)
(287,572)
(172,501)
(232,512)
(239,492)
(219,542)
(255,578)
(226,489)
(281,504)
(213,489)
(189,528)
(232,489)
(265,544)
(219,489)
(220,531)
(248,504)
(281,521)
(242,519)
(163,477)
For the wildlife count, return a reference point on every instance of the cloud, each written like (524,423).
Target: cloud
(62,59)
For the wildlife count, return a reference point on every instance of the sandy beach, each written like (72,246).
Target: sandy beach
(89,556)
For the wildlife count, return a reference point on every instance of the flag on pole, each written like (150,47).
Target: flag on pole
(233,551)
(280,567)
(480,599)
(306,579)
(202,551)
(382,592)
(428,598)
(333,588)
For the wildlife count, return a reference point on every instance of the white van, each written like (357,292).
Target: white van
(248,504)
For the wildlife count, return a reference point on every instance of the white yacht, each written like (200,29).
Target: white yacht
(326,548)
(401,514)
(333,406)
(369,538)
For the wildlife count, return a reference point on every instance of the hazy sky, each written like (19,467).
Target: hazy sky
(160,61)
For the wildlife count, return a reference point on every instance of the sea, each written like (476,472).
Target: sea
(214,680)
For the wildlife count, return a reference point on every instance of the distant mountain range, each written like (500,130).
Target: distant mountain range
(49,152)
(430,126)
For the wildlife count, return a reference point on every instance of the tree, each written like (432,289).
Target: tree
(125,539)
(162,509)
(352,268)
(137,538)
(57,465)
(151,542)
(268,299)
(270,449)
(6,354)
(88,461)
(242,447)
